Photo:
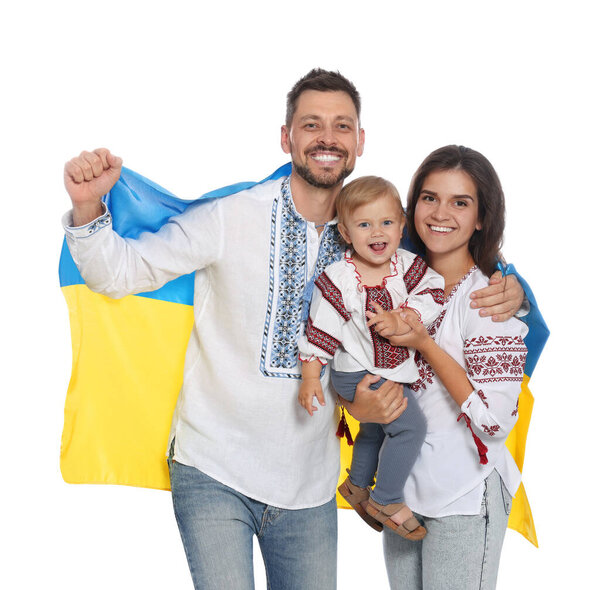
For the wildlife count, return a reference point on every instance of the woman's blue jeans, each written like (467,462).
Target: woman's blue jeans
(217,525)
(458,553)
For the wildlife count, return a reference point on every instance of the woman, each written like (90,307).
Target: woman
(470,368)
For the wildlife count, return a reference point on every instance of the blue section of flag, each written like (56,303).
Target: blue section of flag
(137,205)
(538,330)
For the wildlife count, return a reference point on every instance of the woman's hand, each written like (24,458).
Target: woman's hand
(417,337)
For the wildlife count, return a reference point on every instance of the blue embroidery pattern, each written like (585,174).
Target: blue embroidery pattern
(288,277)
(292,263)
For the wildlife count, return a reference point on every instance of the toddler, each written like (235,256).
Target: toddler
(366,289)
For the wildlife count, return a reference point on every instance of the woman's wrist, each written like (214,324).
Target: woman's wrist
(426,345)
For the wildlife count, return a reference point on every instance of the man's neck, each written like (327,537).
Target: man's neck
(314,204)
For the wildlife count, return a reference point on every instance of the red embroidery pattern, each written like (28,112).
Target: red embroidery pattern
(495,358)
(321,339)
(385,355)
(491,430)
(457,286)
(426,373)
(332,294)
(495,341)
(483,398)
(516,410)
(412,277)
(437,294)
(433,328)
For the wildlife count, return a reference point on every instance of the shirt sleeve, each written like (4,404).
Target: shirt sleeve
(495,355)
(425,289)
(428,298)
(117,266)
(323,332)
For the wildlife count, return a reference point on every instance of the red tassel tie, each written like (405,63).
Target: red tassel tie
(481,448)
(344,430)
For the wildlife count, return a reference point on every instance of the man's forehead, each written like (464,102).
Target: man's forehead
(317,103)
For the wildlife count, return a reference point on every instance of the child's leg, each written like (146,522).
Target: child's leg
(365,453)
(345,383)
(400,449)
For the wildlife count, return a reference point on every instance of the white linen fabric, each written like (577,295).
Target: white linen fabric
(237,418)
(448,477)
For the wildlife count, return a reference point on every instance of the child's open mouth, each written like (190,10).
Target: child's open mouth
(378,246)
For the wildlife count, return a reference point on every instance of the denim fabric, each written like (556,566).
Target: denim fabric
(388,449)
(217,523)
(459,552)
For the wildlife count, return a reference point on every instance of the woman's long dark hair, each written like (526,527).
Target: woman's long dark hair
(484,245)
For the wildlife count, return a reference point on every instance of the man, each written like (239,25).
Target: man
(244,458)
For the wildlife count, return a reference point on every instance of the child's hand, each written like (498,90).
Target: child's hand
(309,389)
(387,323)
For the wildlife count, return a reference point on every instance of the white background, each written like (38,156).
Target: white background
(192,95)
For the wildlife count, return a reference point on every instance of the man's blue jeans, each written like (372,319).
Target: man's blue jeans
(217,523)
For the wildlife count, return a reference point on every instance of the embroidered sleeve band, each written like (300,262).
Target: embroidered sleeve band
(495,358)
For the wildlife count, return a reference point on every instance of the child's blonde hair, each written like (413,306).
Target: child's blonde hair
(363,190)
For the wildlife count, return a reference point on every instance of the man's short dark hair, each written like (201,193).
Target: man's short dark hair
(323,81)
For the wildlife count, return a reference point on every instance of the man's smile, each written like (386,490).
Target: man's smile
(326,157)
(330,155)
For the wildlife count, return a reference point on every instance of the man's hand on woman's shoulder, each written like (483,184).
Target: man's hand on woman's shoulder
(501,299)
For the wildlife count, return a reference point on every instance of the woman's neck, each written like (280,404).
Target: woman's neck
(451,266)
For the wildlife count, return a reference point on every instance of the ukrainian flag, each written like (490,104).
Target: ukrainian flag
(128,359)
(128,353)
(520,518)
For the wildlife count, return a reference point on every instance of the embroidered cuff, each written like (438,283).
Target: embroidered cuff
(89,229)
(467,403)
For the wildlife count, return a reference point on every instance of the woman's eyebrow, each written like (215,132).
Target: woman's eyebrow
(458,196)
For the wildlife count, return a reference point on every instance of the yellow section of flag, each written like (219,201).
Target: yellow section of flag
(123,388)
(521,519)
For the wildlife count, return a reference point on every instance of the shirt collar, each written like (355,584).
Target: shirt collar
(286,193)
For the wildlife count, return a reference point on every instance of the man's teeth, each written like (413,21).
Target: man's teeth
(326,157)
(445,230)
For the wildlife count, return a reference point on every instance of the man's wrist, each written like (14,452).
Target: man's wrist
(86,213)
(86,230)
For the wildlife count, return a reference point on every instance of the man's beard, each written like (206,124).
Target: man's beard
(324,179)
